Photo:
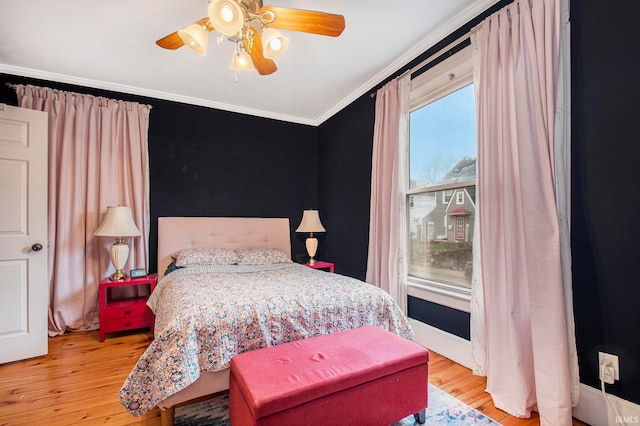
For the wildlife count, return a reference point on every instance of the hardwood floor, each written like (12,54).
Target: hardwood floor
(78,383)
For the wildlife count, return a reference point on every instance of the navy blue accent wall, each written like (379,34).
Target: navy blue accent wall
(206,162)
(444,318)
(344,168)
(606,175)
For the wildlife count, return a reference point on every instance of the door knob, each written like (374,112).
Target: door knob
(36,247)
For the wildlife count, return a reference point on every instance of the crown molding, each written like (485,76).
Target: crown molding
(132,90)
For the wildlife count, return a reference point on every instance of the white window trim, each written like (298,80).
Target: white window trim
(440,293)
(438,81)
(446,77)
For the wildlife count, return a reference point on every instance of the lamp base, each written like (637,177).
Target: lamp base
(312,246)
(118,275)
(119,252)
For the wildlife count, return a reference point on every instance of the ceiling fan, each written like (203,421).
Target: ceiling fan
(252,28)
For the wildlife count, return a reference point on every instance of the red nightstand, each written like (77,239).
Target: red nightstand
(320,264)
(126,313)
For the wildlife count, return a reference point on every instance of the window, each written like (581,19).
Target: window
(442,175)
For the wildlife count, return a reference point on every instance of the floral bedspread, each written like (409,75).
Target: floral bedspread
(205,315)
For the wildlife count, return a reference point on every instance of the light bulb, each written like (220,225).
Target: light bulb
(226,13)
(241,61)
(275,44)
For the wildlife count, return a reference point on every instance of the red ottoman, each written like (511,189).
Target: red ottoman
(365,376)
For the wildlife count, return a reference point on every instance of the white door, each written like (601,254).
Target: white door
(24,289)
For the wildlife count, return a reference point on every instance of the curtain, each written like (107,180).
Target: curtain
(562,160)
(387,223)
(527,346)
(477,322)
(98,157)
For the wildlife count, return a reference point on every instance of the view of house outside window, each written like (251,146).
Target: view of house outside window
(441,196)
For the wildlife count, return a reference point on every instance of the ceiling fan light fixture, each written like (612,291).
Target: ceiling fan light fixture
(244,23)
(241,61)
(226,16)
(196,37)
(274,43)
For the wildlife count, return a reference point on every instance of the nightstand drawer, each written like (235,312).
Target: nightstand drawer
(127,323)
(125,309)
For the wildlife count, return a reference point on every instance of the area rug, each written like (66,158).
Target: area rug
(444,409)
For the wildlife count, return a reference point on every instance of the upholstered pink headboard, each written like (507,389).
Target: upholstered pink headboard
(175,233)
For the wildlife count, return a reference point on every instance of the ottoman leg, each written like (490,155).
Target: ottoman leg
(421,417)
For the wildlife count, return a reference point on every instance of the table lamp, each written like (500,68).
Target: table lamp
(311,223)
(118,223)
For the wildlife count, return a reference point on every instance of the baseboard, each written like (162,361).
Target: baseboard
(592,409)
(446,344)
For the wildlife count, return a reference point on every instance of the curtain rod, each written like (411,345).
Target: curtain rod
(449,46)
(14,86)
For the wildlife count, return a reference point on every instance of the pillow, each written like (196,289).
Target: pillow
(172,267)
(205,256)
(261,256)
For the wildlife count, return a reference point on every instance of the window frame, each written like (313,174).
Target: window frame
(437,82)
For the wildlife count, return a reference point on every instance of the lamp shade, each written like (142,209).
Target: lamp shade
(274,43)
(242,61)
(118,222)
(310,222)
(196,37)
(226,16)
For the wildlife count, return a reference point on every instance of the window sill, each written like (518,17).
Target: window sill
(451,297)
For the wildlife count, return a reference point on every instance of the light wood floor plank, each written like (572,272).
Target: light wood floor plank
(78,381)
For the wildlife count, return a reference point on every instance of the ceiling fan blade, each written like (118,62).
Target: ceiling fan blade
(173,40)
(263,65)
(306,21)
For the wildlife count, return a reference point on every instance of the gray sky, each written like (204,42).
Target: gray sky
(442,133)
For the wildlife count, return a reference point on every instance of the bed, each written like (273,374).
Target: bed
(208,311)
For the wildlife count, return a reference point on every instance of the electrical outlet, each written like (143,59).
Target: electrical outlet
(612,373)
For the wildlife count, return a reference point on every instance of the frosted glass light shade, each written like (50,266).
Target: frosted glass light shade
(226,16)
(241,61)
(274,43)
(196,37)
